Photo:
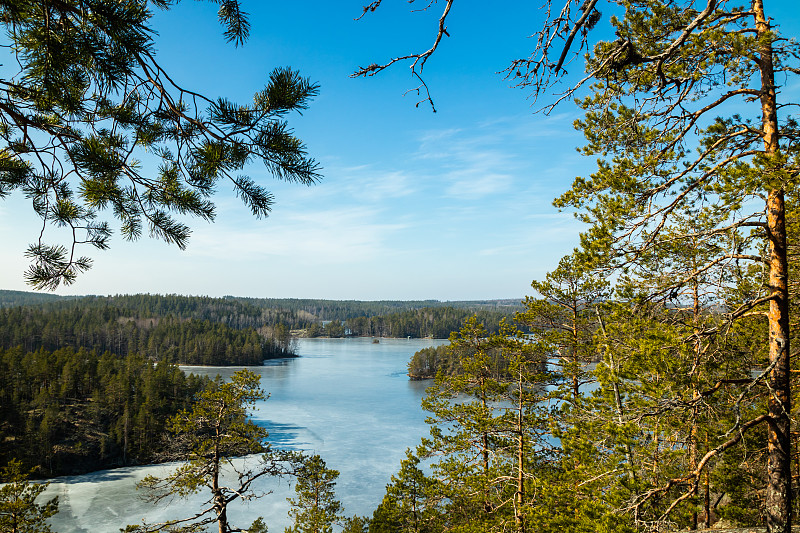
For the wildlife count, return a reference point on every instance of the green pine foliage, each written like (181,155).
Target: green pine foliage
(19,512)
(487,439)
(92,124)
(315,508)
(71,410)
(356,524)
(410,502)
(637,422)
(427,362)
(212,437)
(447,359)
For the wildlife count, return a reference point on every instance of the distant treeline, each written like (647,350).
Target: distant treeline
(16,298)
(230,312)
(75,410)
(222,331)
(162,338)
(241,313)
(433,322)
(345,310)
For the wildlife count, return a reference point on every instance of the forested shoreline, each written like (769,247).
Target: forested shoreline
(88,383)
(175,340)
(72,411)
(426,322)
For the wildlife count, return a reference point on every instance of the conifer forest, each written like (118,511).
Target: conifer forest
(647,384)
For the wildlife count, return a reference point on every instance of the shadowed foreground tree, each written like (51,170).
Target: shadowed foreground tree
(91,122)
(19,512)
(224,454)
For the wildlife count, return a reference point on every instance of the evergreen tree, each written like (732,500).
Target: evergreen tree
(563,318)
(315,509)
(356,524)
(657,84)
(87,98)
(208,437)
(488,428)
(19,512)
(682,110)
(410,504)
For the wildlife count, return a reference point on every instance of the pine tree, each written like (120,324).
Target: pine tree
(356,524)
(489,425)
(563,318)
(208,437)
(650,95)
(411,502)
(19,512)
(682,110)
(315,509)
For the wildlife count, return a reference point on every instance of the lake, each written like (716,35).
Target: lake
(348,400)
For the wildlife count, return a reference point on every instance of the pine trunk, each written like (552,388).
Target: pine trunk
(520,497)
(779,494)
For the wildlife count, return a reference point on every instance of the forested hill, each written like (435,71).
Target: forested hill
(347,309)
(335,318)
(175,329)
(72,411)
(15,298)
(170,339)
(251,312)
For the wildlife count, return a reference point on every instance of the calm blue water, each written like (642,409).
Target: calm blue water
(348,400)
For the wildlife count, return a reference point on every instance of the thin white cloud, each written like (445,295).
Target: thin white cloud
(478,184)
(334,236)
(371,186)
(533,126)
(473,164)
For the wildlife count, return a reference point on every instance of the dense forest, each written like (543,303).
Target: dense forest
(72,410)
(273,318)
(595,413)
(344,310)
(162,338)
(448,359)
(87,382)
(239,311)
(431,322)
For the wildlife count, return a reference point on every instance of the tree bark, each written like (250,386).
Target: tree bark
(520,496)
(779,479)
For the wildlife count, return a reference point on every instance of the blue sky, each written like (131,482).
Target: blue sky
(414,205)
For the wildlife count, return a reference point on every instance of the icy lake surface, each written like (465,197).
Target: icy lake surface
(348,400)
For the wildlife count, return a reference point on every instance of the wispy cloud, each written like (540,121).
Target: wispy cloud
(477,183)
(333,236)
(472,165)
(370,185)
